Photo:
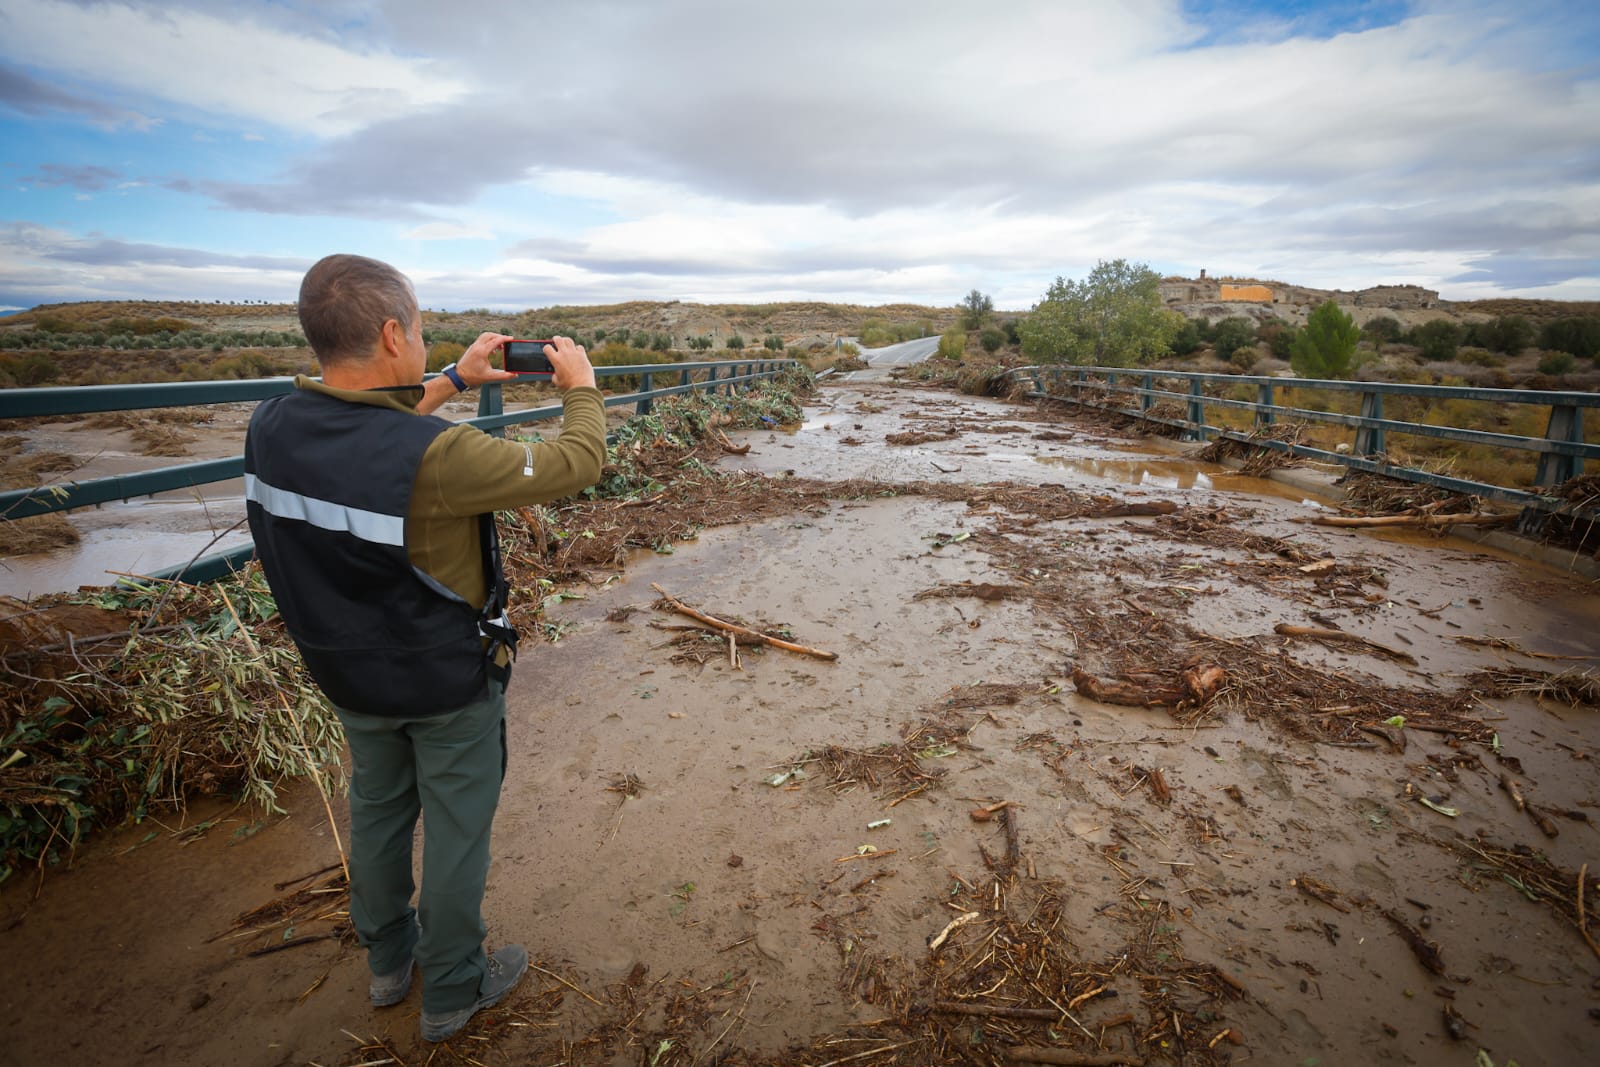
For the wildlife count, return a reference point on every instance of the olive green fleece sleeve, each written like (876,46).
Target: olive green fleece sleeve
(468,472)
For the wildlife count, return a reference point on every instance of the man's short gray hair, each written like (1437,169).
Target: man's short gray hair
(344,302)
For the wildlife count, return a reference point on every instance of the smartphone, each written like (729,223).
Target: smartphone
(526,357)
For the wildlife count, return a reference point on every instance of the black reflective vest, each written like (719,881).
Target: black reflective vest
(327,488)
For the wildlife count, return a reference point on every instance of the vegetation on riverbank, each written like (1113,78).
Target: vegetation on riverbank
(124,701)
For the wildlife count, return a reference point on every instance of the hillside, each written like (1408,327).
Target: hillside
(796,322)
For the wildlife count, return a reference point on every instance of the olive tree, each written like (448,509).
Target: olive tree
(975,310)
(1326,346)
(1113,318)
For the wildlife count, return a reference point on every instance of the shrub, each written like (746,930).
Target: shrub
(1383,330)
(661,342)
(1189,338)
(1506,333)
(1278,336)
(1437,340)
(953,344)
(772,341)
(1233,334)
(1557,363)
(35,368)
(736,343)
(991,339)
(443,354)
(1578,335)
(1479,357)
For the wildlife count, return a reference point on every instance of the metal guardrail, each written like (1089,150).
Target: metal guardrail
(705,376)
(1561,450)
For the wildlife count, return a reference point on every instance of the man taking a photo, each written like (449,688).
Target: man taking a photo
(374,523)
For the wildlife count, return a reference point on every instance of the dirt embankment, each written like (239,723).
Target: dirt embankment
(937,848)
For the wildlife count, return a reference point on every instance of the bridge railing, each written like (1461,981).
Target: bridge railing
(706,376)
(1146,394)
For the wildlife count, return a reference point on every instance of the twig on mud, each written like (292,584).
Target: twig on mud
(954,925)
(1008,1011)
(728,627)
(1583,920)
(1029,1054)
(569,985)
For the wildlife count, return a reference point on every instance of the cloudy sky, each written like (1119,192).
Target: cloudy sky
(517,154)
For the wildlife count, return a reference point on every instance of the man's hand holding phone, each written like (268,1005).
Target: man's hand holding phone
(559,360)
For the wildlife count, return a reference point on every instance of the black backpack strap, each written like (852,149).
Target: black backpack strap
(493,623)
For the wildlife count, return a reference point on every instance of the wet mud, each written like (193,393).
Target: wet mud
(747,864)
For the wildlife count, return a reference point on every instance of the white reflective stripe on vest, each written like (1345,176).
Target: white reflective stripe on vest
(367,525)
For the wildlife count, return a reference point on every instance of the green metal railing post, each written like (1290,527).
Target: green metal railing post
(1369,439)
(1265,416)
(1146,383)
(1197,411)
(1566,424)
(644,405)
(491,402)
(686,378)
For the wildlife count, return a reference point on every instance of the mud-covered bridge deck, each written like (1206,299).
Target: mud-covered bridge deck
(1318,859)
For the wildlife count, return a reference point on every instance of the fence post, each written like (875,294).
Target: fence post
(1265,416)
(645,385)
(1197,412)
(1566,424)
(687,378)
(490,402)
(1369,439)
(1146,383)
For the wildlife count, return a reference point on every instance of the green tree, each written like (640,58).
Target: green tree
(991,339)
(772,341)
(1113,318)
(975,310)
(736,342)
(1325,347)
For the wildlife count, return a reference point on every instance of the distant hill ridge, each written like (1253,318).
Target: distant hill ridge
(1213,297)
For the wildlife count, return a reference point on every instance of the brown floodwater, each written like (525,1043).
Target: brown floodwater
(712,876)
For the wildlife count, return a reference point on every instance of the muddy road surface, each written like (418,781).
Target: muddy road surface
(937,848)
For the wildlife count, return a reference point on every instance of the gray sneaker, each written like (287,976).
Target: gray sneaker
(506,969)
(387,989)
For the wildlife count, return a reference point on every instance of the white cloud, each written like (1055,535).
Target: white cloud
(448,231)
(226,66)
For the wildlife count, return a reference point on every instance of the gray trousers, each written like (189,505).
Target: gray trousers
(448,768)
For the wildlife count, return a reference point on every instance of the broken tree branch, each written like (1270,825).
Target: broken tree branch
(744,631)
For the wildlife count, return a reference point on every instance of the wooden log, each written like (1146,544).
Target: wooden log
(1197,685)
(1426,522)
(711,620)
(1317,633)
(1130,508)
